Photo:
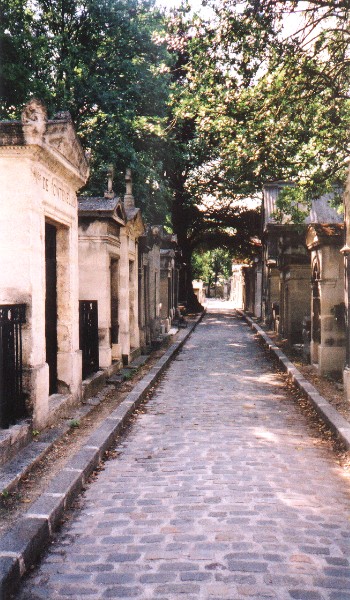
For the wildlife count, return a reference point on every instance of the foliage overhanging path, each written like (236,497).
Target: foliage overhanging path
(204,110)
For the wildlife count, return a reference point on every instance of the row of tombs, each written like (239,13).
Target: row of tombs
(85,285)
(297,283)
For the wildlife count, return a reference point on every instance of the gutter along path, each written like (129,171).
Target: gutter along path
(219,490)
(339,426)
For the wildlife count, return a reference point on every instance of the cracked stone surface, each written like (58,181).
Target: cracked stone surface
(219,492)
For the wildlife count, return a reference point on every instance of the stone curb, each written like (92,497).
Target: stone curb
(21,546)
(337,423)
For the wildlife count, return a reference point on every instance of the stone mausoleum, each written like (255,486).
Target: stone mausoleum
(109,230)
(327,348)
(149,291)
(42,165)
(169,280)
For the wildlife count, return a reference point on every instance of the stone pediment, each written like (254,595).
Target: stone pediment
(56,137)
(324,234)
(169,240)
(135,221)
(61,136)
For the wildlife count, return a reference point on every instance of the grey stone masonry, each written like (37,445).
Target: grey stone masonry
(218,491)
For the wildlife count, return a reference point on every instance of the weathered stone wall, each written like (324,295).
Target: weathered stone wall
(294,301)
(41,167)
(97,249)
(330,353)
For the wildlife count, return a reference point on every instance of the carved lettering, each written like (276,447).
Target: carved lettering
(53,186)
(36,174)
(59,192)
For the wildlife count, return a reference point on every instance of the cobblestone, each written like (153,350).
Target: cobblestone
(218,492)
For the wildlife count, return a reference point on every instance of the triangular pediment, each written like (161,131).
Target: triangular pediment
(135,222)
(58,136)
(61,136)
(324,234)
(119,213)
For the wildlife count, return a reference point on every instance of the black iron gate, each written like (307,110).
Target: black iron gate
(88,336)
(12,398)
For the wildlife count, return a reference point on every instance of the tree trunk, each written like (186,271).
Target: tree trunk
(187,295)
(180,225)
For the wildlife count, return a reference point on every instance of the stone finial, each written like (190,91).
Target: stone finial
(34,121)
(129,201)
(110,174)
(128,181)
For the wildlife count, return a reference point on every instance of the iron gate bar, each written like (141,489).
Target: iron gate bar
(12,397)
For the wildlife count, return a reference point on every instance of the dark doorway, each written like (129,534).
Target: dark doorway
(114,301)
(316,305)
(88,336)
(51,304)
(169,296)
(146,303)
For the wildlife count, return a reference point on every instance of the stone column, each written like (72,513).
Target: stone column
(346,253)
(69,361)
(346,372)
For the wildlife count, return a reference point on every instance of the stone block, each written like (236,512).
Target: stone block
(50,507)
(68,483)
(9,576)
(26,539)
(85,460)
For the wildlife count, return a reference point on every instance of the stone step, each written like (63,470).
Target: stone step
(138,362)
(16,469)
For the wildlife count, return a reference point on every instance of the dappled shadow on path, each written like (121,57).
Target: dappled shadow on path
(218,491)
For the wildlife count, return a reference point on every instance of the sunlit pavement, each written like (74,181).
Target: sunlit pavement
(217,492)
(218,304)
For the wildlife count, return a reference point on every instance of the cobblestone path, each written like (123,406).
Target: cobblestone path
(219,493)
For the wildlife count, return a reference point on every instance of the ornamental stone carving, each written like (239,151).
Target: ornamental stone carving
(34,121)
(55,139)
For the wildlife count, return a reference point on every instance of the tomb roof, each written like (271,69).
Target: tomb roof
(319,234)
(329,229)
(101,207)
(96,203)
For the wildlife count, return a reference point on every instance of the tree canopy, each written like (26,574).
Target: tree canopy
(205,110)
(99,59)
(289,69)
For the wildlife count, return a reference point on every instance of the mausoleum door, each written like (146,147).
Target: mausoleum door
(51,305)
(114,301)
(316,305)
(146,302)
(169,295)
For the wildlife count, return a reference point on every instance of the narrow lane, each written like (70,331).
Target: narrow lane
(218,492)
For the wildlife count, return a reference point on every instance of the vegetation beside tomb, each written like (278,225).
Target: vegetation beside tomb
(204,109)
